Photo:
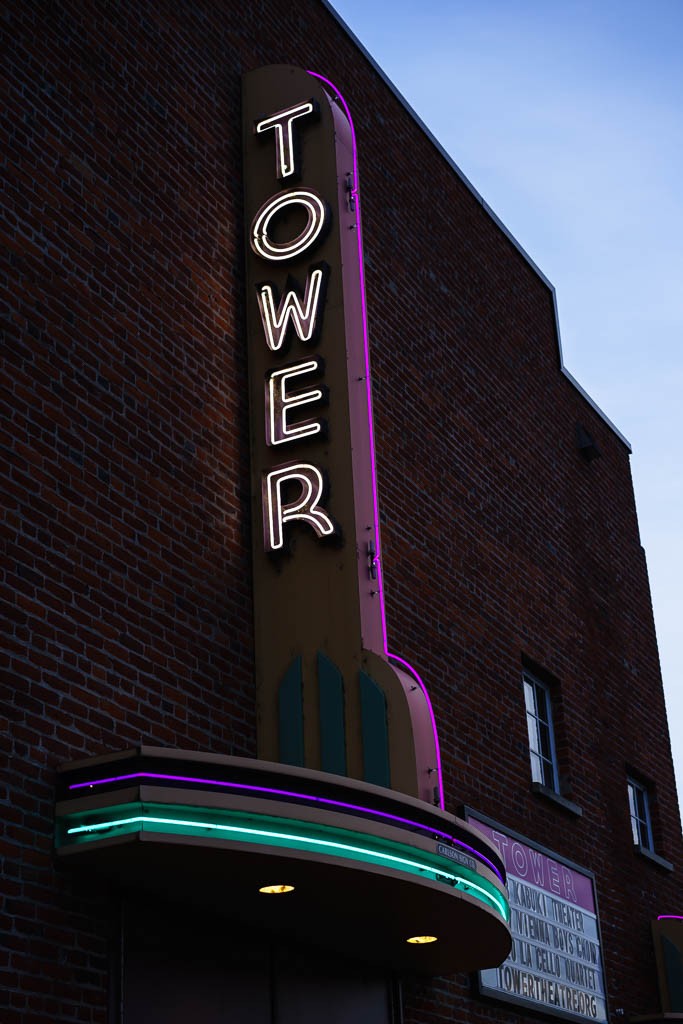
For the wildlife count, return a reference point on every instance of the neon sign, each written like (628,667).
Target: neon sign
(303,318)
(329,695)
(305,507)
(279,401)
(283,125)
(317,215)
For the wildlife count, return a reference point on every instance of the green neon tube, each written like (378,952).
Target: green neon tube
(273,837)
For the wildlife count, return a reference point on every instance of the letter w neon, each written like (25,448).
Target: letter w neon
(302,315)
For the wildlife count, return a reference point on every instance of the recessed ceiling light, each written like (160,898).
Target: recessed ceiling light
(276,888)
(420,940)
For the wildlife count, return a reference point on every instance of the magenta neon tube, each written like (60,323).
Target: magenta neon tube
(368,390)
(328,801)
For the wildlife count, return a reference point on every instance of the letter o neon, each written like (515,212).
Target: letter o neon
(316,210)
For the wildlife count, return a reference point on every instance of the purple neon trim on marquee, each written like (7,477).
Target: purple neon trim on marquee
(670,917)
(368,390)
(299,796)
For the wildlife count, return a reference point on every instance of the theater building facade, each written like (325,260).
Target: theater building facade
(331,682)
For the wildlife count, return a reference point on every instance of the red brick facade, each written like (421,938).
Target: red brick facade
(126,569)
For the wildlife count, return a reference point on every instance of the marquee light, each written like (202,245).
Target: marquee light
(306,508)
(282,124)
(303,318)
(316,211)
(272,791)
(276,890)
(431,868)
(421,940)
(279,403)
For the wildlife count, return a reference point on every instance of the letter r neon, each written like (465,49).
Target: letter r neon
(306,507)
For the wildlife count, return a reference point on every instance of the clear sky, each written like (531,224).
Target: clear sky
(567,117)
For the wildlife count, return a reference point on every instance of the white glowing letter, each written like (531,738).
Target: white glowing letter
(279,401)
(277,512)
(316,219)
(303,316)
(285,159)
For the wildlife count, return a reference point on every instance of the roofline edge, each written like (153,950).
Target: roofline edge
(480,199)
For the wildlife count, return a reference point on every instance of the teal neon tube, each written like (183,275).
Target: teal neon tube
(345,844)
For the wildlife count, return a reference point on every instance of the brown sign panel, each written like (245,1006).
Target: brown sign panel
(328,697)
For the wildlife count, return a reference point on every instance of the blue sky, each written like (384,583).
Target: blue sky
(567,117)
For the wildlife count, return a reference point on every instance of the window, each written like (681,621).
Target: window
(639,808)
(541,739)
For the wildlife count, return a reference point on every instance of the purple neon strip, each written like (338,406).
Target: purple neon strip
(366,340)
(418,680)
(298,796)
(371,432)
(669,917)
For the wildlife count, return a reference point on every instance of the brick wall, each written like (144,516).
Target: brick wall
(126,570)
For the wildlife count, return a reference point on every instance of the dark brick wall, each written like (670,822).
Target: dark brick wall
(126,550)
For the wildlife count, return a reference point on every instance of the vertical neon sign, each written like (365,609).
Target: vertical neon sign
(324,679)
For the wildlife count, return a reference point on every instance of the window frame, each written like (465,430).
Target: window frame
(641,826)
(543,719)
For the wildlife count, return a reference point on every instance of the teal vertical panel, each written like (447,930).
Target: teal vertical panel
(332,728)
(373,714)
(291,715)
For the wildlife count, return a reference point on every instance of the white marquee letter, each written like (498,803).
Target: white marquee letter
(285,158)
(306,507)
(316,213)
(304,317)
(279,401)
